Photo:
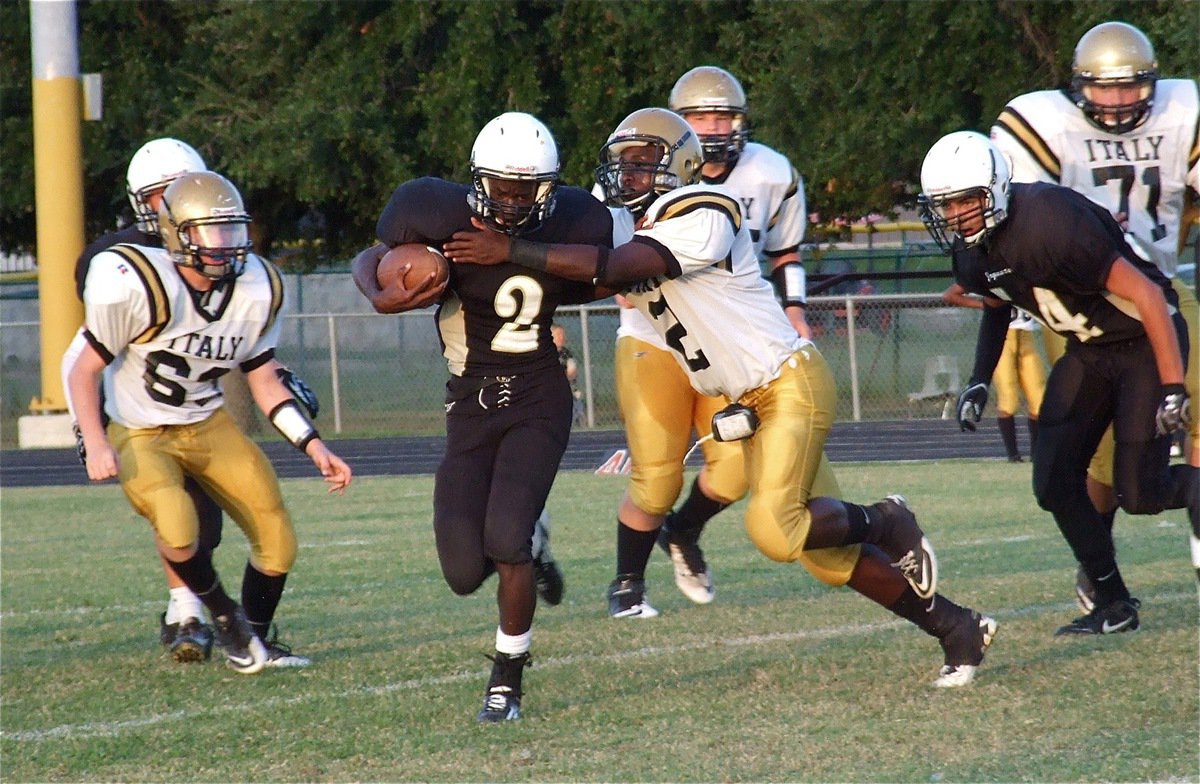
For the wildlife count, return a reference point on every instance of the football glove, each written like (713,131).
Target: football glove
(971,403)
(1175,410)
(301,391)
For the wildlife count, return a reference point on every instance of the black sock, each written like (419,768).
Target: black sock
(936,616)
(866,524)
(201,579)
(633,550)
(1106,578)
(697,510)
(260,596)
(1008,434)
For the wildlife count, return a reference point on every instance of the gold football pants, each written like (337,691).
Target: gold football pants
(786,465)
(1020,371)
(230,467)
(1101,467)
(660,410)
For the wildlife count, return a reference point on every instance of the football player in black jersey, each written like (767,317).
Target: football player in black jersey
(508,403)
(1056,254)
(156,164)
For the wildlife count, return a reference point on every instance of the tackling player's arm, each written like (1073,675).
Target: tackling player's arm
(277,403)
(608,270)
(788,278)
(83,382)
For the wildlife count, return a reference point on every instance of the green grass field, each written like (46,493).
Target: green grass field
(781,679)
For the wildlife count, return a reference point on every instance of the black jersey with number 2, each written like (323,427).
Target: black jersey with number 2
(1052,256)
(496,319)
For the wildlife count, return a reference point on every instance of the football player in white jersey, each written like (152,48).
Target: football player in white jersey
(658,405)
(1130,142)
(183,630)
(162,326)
(691,270)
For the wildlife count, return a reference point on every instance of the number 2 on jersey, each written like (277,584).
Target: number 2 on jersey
(519,299)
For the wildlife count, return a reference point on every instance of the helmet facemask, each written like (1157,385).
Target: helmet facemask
(514,173)
(1114,54)
(214,247)
(512,204)
(205,226)
(723,148)
(1119,117)
(635,182)
(963,166)
(946,231)
(707,89)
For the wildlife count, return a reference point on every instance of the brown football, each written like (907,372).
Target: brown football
(423,260)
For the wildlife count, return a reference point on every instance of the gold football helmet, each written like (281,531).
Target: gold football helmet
(1114,54)
(633,179)
(204,225)
(711,89)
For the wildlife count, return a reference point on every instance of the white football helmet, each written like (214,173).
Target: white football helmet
(711,89)
(204,225)
(960,165)
(514,147)
(153,167)
(678,161)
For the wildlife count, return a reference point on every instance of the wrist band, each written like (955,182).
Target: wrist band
(601,275)
(528,254)
(291,423)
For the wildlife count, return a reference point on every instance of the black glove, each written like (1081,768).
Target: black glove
(301,391)
(79,447)
(1175,410)
(971,402)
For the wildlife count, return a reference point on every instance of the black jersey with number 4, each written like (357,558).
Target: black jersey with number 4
(1051,257)
(496,319)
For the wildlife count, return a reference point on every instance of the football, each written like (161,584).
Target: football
(422,259)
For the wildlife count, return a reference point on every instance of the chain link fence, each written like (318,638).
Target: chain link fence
(895,356)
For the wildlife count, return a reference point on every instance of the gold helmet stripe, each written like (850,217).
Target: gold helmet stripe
(699,201)
(275,277)
(157,301)
(1024,133)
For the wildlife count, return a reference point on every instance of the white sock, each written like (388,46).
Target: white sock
(183,605)
(513,644)
(1195,550)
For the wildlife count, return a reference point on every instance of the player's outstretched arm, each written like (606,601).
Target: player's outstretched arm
(600,266)
(274,400)
(83,382)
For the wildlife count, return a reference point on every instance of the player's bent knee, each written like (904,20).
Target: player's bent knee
(655,489)
(463,581)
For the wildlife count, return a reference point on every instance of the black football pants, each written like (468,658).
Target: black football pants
(1090,387)
(504,441)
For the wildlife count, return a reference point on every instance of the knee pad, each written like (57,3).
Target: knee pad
(464,582)
(655,488)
